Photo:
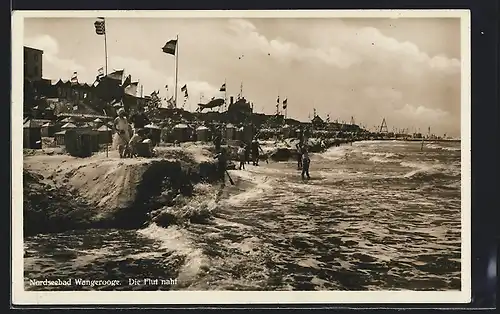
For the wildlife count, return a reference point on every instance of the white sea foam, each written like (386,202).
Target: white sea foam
(421,167)
(447,148)
(336,153)
(433,146)
(379,159)
(259,182)
(177,240)
(451,148)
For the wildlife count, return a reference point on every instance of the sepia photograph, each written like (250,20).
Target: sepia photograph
(241,157)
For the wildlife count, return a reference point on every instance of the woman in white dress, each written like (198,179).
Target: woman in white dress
(122,135)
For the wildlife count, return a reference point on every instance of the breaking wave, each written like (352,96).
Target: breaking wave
(374,216)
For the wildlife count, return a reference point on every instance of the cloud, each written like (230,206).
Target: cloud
(338,66)
(54,65)
(370,44)
(421,112)
(153,79)
(417,115)
(389,94)
(343,46)
(355,71)
(283,50)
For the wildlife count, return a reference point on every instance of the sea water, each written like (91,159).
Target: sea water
(377,215)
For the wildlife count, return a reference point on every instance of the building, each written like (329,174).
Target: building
(33,64)
(74,91)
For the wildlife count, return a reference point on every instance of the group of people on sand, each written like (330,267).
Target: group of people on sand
(247,153)
(126,138)
(303,160)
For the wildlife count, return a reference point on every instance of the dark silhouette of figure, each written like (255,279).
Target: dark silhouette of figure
(306,162)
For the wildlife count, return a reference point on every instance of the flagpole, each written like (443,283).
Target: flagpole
(176,67)
(278,105)
(225,95)
(106,67)
(105,48)
(286,108)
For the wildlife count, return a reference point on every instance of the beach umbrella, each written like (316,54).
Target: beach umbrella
(103,128)
(181,126)
(152,126)
(68,125)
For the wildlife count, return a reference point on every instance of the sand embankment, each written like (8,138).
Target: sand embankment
(62,192)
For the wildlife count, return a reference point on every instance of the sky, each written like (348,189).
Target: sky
(406,70)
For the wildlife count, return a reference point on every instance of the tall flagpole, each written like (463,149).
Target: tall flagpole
(225,95)
(278,105)
(105,48)
(286,108)
(176,67)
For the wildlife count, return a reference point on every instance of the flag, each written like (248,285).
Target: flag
(74,78)
(100,72)
(184,88)
(100,26)
(171,102)
(170,47)
(116,75)
(131,89)
(285,103)
(128,81)
(223,88)
(166,87)
(278,100)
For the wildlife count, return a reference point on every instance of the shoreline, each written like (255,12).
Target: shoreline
(270,217)
(71,193)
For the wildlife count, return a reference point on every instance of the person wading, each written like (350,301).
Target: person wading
(299,156)
(217,140)
(255,152)
(221,166)
(122,128)
(247,152)
(242,155)
(306,162)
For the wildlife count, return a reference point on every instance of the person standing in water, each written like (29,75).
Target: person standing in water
(299,155)
(247,152)
(255,152)
(242,156)
(122,128)
(306,162)
(221,166)
(217,140)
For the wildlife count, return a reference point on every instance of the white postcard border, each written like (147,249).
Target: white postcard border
(22,297)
